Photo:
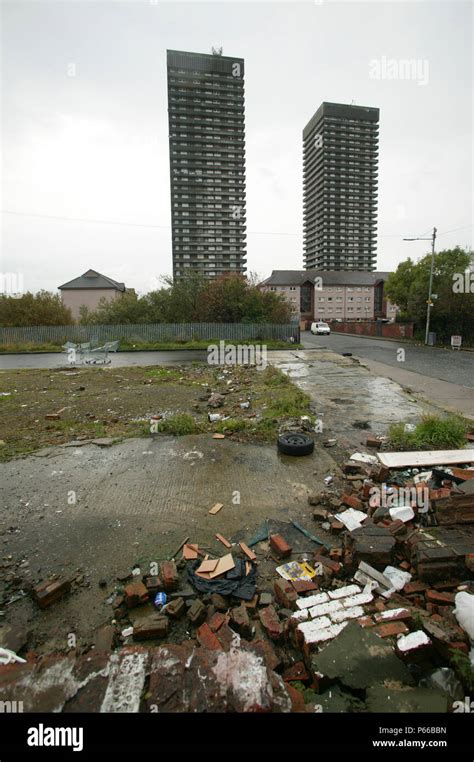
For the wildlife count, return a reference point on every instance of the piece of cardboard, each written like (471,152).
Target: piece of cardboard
(225,564)
(190,552)
(208,565)
(216,508)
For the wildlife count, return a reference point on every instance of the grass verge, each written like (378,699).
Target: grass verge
(431,433)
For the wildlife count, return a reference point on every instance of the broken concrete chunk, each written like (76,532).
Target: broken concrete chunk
(359,658)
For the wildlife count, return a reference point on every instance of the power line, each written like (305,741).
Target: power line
(168,227)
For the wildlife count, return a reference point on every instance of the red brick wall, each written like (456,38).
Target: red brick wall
(373,328)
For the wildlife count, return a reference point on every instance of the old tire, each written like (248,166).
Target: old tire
(294,443)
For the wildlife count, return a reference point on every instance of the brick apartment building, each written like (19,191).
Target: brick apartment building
(327,295)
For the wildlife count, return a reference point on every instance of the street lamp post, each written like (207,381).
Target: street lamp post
(429,302)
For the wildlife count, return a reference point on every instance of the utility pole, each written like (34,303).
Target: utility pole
(429,302)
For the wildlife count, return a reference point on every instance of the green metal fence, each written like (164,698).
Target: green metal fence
(153,332)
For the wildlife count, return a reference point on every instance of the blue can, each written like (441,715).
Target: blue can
(160,599)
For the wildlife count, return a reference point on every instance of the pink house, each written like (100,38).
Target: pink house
(88,290)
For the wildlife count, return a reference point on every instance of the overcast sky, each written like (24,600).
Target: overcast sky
(85,133)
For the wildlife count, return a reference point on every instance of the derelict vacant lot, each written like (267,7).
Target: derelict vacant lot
(115,403)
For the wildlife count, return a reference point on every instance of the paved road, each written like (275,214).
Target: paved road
(119,359)
(444,364)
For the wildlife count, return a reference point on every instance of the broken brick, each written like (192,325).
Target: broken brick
(50,591)
(169,575)
(207,639)
(216,621)
(280,545)
(197,612)
(434,596)
(297,672)
(239,620)
(153,626)
(219,602)
(391,629)
(271,623)
(303,586)
(135,594)
(285,594)
(176,608)
(352,501)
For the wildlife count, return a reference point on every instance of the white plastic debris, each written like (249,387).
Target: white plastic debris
(328,479)
(127,632)
(402,512)
(351,518)
(9,657)
(213,417)
(397,577)
(363,457)
(464,612)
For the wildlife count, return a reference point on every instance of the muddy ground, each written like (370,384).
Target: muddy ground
(91,513)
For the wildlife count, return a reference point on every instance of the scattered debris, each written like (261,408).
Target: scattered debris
(216,508)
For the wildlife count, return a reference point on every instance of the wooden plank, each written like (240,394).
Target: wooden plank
(425,458)
(216,508)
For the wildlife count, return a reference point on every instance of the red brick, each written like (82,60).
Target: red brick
(460,646)
(169,575)
(271,623)
(405,565)
(402,616)
(380,606)
(153,626)
(332,566)
(50,591)
(207,639)
(352,501)
(296,672)
(336,526)
(336,554)
(372,441)
(175,608)
(414,587)
(280,546)
(216,621)
(368,485)
(303,586)
(285,594)
(135,594)
(239,620)
(439,494)
(366,621)
(391,629)
(434,596)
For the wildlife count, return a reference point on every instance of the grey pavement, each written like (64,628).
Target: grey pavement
(445,364)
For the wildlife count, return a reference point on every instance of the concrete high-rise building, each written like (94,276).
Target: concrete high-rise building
(207,162)
(340,168)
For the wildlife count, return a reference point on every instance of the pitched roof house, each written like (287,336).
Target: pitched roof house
(88,289)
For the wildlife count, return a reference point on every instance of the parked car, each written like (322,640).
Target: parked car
(320,329)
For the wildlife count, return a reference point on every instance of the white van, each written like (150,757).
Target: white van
(320,328)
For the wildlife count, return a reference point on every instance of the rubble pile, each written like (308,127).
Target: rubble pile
(375,615)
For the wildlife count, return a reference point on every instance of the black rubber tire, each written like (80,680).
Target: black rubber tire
(294,443)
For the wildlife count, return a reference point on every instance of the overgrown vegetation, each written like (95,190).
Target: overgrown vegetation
(431,433)
(464,670)
(453,284)
(121,402)
(179,425)
(230,298)
(42,308)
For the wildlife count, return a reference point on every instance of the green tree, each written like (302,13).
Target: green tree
(42,308)
(453,310)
